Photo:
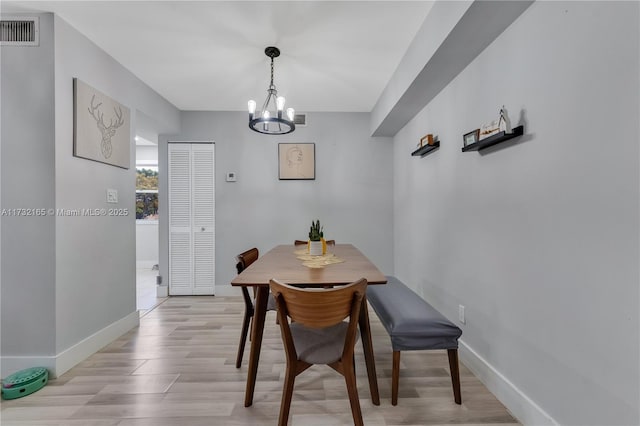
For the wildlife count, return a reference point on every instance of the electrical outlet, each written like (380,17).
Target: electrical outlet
(112,195)
(461,314)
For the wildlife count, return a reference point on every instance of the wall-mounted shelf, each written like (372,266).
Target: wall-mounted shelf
(424,150)
(493,140)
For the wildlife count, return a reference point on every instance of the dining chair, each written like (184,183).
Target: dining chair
(319,334)
(244,260)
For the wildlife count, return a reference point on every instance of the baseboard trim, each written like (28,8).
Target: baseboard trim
(517,402)
(92,344)
(12,364)
(65,360)
(162,291)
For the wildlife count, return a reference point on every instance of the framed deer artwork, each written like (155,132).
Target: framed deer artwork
(101,127)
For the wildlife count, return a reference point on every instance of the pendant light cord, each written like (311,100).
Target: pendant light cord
(272,72)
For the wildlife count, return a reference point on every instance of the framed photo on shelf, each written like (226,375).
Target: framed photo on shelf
(471,137)
(296,161)
(426,140)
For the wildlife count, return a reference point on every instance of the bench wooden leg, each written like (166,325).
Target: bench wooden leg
(395,377)
(455,374)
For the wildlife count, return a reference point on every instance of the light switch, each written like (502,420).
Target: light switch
(112,195)
(231,176)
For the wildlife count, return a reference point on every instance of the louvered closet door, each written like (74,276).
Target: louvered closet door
(191,219)
(203,218)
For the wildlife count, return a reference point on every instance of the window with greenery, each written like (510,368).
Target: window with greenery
(147,194)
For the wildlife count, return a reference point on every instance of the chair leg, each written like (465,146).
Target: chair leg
(243,339)
(455,374)
(246,322)
(287,393)
(395,377)
(352,390)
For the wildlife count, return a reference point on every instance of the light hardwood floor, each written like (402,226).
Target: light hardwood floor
(177,369)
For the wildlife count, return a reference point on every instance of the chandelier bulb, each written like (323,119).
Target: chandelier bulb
(280,103)
(252,106)
(291,113)
(265,114)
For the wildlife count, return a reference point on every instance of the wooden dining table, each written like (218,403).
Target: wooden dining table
(282,264)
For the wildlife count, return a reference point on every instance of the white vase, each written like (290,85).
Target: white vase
(315,248)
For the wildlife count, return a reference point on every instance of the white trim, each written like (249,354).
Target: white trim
(516,401)
(65,360)
(162,291)
(92,344)
(12,364)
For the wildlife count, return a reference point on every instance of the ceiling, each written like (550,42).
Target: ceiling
(209,55)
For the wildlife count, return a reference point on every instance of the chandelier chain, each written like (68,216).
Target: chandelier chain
(272,71)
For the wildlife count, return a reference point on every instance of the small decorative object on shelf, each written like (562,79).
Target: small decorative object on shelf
(427,144)
(489,129)
(426,140)
(493,140)
(471,137)
(317,244)
(504,124)
(424,150)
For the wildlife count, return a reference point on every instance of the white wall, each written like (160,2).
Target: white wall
(351,194)
(27,173)
(77,274)
(95,256)
(539,238)
(147,247)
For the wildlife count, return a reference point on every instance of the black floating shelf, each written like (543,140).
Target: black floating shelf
(424,150)
(494,139)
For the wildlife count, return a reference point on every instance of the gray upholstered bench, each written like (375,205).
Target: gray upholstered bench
(413,324)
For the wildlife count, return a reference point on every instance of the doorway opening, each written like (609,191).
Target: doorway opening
(147,240)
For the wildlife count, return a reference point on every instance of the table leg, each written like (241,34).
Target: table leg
(262,296)
(367,345)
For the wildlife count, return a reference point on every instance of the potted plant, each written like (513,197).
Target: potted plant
(317,245)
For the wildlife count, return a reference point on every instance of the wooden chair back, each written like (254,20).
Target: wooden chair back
(319,308)
(246,258)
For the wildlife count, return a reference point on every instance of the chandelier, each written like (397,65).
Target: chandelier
(267,122)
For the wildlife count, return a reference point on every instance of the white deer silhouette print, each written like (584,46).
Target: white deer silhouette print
(102,127)
(107,131)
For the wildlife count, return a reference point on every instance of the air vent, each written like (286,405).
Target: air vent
(19,31)
(300,119)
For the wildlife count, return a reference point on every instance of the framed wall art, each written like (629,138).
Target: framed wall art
(101,127)
(296,161)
